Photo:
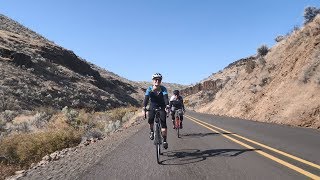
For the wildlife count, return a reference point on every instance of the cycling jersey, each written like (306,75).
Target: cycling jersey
(157,98)
(176,102)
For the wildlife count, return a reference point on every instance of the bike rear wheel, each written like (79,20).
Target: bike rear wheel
(178,133)
(178,126)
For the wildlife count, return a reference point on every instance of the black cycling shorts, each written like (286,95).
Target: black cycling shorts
(163,117)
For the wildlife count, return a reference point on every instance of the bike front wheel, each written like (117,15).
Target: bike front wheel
(158,153)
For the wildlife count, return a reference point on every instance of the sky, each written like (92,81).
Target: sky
(184,40)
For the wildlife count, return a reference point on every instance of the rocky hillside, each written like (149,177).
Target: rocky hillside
(35,72)
(281,87)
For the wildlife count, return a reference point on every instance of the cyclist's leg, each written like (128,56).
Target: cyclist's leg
(163,123)
(151,115)
(181,119)
(172,115)
(163,117)
(173,118)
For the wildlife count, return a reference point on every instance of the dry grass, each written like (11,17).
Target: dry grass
(24,149)
(119,113)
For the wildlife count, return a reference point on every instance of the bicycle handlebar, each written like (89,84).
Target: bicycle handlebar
(157,109)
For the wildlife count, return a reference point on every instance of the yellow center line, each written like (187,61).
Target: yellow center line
(291,166)
(265,146)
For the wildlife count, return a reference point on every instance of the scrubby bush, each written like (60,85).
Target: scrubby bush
(41,119)
(263,50)
(279,38)
(22,127)
(119,113)
(310,13)
(9,115)
(71,115)
(24,149)
(93,133)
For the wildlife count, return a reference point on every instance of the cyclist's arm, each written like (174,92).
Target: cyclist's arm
(171,101)
(183,108)
(146,97)
(165,95)
(146,100)
(166,99)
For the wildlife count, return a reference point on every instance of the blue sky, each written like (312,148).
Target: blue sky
(185,40)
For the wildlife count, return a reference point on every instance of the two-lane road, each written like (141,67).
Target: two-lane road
(213,147)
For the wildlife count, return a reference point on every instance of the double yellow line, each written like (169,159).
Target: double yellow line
(291,166)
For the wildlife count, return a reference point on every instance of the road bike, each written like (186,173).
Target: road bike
(157,140)
(177,121)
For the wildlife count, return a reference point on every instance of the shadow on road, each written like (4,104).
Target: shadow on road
(188,156)
(196,135)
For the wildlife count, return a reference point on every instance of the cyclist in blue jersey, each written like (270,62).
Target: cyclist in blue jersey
(158,96)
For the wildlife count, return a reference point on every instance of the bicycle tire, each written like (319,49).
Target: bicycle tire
(158,142)
(178,132)
(158,153)
(177,124)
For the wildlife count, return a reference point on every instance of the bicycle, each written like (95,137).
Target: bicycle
(157,140)
(177,123)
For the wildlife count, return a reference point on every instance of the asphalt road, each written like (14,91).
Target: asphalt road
(213,147)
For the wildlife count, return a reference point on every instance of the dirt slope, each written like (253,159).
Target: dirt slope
(282,87)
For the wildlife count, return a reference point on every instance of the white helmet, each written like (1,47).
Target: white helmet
(157,75)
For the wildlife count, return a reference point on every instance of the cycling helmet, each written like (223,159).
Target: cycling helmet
(157,75)
(176,92)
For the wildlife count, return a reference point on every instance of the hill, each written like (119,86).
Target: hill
(281,87)
(35,72)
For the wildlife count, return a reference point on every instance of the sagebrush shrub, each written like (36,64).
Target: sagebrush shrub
(263,50)
(41,119)
(9,115)
(310,13)
(93,133)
